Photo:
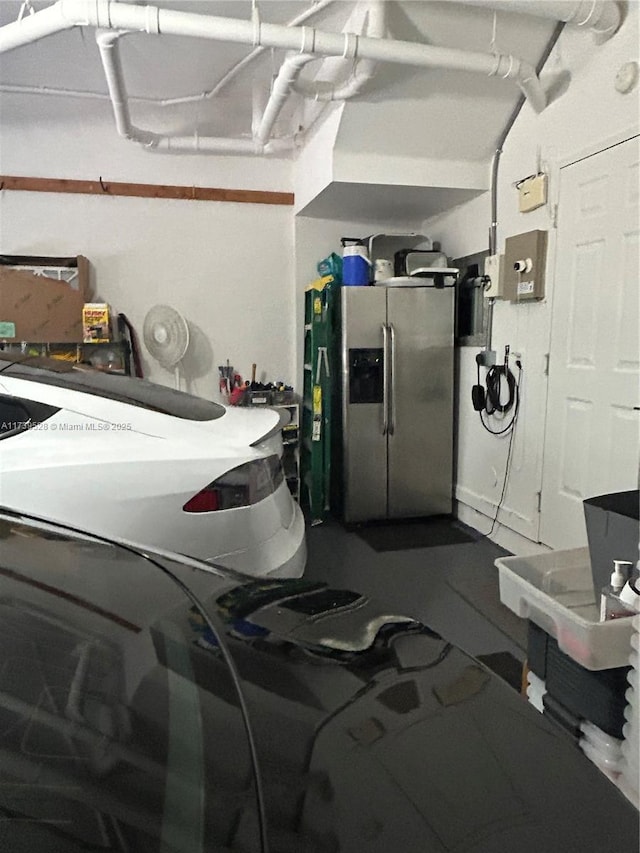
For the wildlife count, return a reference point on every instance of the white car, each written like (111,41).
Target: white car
(123,457)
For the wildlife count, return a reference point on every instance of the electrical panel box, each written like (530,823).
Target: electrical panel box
(494,270)
(525,257)
(532,192)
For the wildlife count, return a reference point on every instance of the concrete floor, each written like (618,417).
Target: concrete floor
(452,589)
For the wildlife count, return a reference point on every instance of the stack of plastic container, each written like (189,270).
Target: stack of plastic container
(536,689)
(629,779)
(604,750)
(555,591)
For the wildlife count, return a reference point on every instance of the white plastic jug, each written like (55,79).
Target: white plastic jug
(382,269)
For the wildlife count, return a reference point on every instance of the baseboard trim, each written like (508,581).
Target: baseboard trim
(503,536)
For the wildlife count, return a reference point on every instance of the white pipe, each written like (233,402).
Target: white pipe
(326,91)
(110,54)
(112,15)
(257,51)
(166,102)
(11,88)
(32,28)
(280,91)
(602,17)
(305,39)
(108,45)
(211,145)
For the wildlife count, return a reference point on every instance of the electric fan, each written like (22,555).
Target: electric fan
(166,335)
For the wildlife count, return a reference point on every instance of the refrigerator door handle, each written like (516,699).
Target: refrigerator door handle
(392,381)
(385,379)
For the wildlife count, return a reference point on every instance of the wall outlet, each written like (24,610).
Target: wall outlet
(532,192)
(494,270)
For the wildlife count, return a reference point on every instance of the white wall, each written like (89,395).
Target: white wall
(587,116)
(228,267)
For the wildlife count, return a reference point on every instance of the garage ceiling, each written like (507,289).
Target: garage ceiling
(160,68)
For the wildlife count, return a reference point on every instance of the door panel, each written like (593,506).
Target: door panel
(420,447)
(364,443)
(592,434)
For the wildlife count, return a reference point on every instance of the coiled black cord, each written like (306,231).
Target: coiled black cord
(512,403)
(489,401)
(494,382)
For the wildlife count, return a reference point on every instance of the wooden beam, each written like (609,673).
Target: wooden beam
(116,188)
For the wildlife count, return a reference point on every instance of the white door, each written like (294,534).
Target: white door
(592,437)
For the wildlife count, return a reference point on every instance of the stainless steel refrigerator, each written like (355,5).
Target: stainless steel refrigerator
(397,401)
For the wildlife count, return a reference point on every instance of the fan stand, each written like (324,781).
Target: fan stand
(176,373)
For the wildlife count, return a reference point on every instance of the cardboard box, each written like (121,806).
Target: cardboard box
(96,328)
(612,530)
(40,309)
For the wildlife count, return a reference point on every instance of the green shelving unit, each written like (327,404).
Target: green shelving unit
(318,391)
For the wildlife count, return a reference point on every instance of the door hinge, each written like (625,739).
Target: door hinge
(539,494)
(546,365)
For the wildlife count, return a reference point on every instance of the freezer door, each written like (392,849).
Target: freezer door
(420,452)
(363,412)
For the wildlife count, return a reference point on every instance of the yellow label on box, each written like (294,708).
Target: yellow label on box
(95,323)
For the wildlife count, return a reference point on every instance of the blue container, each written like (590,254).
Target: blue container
(355,263)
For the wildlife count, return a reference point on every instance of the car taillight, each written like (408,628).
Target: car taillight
(242,486)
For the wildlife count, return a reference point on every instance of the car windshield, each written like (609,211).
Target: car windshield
(112,386)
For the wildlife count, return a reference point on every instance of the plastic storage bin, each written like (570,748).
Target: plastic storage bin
(555,590)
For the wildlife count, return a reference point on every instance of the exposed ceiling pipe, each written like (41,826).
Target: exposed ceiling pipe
(224,81)
(108,46)
(602,17)
(13,89)
(325,91)
(287,78)
(219,145)
(111,14)
(32,28)
(280,91)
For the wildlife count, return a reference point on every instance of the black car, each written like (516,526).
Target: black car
(151,703)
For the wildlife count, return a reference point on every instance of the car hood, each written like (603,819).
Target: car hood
(387,737)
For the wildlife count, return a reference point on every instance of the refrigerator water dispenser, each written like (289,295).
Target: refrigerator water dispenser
(366,375)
